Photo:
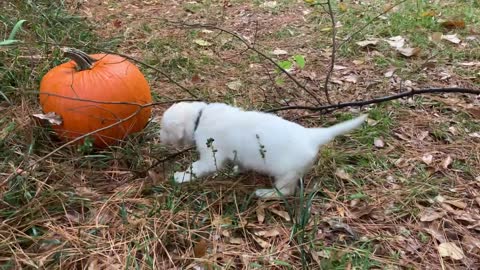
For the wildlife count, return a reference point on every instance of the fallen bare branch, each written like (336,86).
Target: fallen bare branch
(250,47)
(333,107)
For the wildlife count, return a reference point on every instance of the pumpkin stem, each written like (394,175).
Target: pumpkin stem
(83,60)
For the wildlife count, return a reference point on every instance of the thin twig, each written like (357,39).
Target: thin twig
(250,47)
(334,49)
(333,107)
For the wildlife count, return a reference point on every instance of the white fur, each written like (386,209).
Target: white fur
(252,140)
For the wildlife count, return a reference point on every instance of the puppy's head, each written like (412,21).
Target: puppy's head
(178,123)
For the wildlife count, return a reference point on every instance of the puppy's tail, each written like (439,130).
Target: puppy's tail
(325,135)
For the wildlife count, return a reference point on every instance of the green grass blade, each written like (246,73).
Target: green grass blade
(8,42)
(17,27)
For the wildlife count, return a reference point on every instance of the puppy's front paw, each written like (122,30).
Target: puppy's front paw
(182,177)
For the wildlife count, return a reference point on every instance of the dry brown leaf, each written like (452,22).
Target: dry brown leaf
(93,265)
(202,42)
(444,75)
(449,209)
(477,199)
(339,67)
(358,62)
(471,241)
(389,73)
(86,192)
(360,212)
(378,142)
(279,52)
(422,135)
(340,211)
(270,233)
(453,24)
(409,52)
(73,217)
(342,174)
(474,112)
(435,234)
(351,78)
(369,42)
(280,213)
(451,250)
(474,135)
(200,248)
(453,130)
(219,221)
(156,177)
(457,203)
(51,117)
(463,216)
(236,241)
(260,213)
(226,233)
(372,122)
(396,42)
(336,81)
(269,4)
(427,159)
(470,64)
(475,226)
(324,254)
(439,199)
(430,214)
(452,38)
(196,79)
(234,85)
(264,244)
(446,162)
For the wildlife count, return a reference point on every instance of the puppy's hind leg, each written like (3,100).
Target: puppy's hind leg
(284,185)
(206,165)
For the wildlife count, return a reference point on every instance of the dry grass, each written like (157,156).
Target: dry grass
(364,206)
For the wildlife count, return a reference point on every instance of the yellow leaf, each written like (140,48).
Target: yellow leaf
(342,7)
(428,13)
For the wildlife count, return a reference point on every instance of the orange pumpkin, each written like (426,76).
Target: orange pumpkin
(92,92)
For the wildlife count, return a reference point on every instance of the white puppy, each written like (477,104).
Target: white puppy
(252,140)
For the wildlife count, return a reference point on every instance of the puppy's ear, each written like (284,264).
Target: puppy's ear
(172,133)
(177,132)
